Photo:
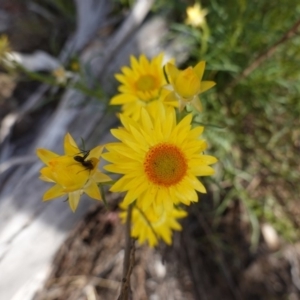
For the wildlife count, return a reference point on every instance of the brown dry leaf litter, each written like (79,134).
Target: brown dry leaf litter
(89,265)
(205,262)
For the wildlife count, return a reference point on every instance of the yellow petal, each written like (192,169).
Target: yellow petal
(122,99)
(172,72)
(92,191)
(187,192)
(203,160)
(45,155)
(132,195)
(166,236)
(47,175)
(168,203)
(96,152)
(175,225)
(134,62)
(197,185)
(146,198)
(54,192)
(195,133)
(199,69)
(202,170)
(101,177)
(206,85)
(70,145)
(44,178)
(73,200)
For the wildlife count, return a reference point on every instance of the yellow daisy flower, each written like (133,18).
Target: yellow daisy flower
(187,85)
(74,173)
(196,15)
(160,159)
(152,225)
(141,84)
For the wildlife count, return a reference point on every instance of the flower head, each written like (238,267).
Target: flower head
(187,85)
(62,75)
(153,224)
(74,173)
(4,46)
(196,15)
(159,159)
(141,84)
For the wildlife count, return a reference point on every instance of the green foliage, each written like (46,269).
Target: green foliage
(63,8)
(258,145)
(55,14)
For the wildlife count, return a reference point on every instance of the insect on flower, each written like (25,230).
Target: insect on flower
(66,172)
(88,164)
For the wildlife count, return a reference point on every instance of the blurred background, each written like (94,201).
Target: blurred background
(241,240)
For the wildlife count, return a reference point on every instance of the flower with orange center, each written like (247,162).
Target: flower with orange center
(141,84)
(187,85)
(159,159)
(152,225)
(74,173)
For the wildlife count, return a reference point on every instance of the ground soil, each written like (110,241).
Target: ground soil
(205,262)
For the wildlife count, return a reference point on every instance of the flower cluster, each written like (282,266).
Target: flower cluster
(159,154)
(159,158)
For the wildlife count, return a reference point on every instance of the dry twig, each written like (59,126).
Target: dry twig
(128,258)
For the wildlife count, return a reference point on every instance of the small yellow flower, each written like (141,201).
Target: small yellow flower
(72,173)
(62,75)
(187,85)
(196,15)
(141,84)
(75,66)
(153,224)
(4,46)
(159,159)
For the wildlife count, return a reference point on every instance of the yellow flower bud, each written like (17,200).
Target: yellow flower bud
(187,84)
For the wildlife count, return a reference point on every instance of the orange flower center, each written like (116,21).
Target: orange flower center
(146,83)
(165,165)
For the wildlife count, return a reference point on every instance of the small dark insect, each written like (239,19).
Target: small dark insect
(88,164)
